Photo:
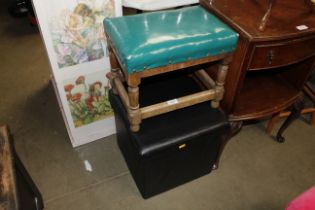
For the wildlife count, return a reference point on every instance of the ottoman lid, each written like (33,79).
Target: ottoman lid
(157,39)
(176,127)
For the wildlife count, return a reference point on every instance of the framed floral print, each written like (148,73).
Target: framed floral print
(73,35)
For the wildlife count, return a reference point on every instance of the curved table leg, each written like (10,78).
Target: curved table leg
(235,128)
(295,113)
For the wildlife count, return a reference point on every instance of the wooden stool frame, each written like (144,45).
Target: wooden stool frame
(130,98)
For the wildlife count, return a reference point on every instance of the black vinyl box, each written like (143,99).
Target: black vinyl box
(173,148)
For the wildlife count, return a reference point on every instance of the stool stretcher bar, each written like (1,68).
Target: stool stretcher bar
(163,107)
(182,102)
(206,80)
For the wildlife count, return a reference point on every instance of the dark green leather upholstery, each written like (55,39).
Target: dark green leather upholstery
(157,39)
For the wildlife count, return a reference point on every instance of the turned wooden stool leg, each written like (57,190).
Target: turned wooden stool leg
(115,74)
(295,113)
(133,109)
(219,88)
(115,71)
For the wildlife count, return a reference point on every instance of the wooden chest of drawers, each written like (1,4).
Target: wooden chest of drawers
(269,67)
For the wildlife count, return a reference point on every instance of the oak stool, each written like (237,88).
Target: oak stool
(155,43)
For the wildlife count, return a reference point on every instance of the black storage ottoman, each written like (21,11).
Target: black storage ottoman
(172,148)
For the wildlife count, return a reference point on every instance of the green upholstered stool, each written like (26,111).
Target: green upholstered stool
(154,43)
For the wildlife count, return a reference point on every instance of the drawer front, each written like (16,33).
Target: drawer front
(281,54)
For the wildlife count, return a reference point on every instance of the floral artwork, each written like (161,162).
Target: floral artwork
(77,31)
(88,99)
(73,35)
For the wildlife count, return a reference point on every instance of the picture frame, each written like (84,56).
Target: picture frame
(72,32)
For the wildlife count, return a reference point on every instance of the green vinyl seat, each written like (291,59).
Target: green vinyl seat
(157,39)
